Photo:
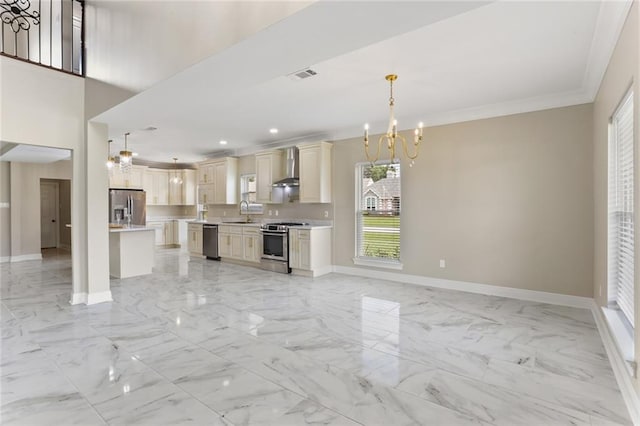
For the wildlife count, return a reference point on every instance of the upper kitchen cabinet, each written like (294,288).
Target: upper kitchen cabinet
(315,172)
(156,183)
(132,180)
(182,194)
(268,171)
(220,177)
(206,173)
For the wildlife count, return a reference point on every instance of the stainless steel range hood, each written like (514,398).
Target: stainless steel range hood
(292,178)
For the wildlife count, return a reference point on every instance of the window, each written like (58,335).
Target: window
(621,206)
(370,202)
(248,194)
(378,215)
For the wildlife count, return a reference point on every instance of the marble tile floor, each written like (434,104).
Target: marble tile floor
(204,342)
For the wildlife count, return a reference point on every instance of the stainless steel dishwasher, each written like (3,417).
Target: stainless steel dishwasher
(210,241)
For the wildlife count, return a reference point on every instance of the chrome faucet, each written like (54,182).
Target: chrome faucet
(247,204)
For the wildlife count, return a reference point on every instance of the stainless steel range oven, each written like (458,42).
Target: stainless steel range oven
(275,246)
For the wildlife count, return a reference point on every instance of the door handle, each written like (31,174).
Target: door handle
(53,220)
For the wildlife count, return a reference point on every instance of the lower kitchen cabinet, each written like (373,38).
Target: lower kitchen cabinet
(240,243)
(166,232)
(194,239)
(252,241)
(310,251)
(230,242)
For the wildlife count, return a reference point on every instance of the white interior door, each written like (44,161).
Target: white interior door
(48,214)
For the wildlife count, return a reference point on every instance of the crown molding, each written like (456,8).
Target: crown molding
(609,24)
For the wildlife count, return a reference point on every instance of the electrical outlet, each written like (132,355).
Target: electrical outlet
(326,213)
(600,290)
(442,263)
(276,212)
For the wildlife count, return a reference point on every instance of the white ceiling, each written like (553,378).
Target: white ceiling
(456,61)
(34,154)
(136,44)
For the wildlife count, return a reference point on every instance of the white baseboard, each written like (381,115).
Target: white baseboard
(492,290)
(22,258)
(78,298)
(619,365)
(323,271)
(103,296)
(5,259)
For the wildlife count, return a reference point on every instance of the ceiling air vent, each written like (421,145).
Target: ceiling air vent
(302,74)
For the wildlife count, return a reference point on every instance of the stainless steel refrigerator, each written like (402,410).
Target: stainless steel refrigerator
(123,202)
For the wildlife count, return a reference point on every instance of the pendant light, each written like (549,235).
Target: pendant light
(176,179)
(110,160)
(126,156)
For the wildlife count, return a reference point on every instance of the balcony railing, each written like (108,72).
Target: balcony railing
(45,32)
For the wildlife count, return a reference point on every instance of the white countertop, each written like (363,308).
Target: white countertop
(168,218)
(132,228)
(256,224)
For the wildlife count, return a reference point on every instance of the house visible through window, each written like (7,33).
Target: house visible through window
(378,212)
(621,207)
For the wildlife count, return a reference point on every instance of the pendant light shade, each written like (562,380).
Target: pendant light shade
(176,180)
(126,156)
(110,160)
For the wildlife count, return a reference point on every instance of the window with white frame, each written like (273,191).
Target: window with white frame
(620,212)
(378,212)
(248,194)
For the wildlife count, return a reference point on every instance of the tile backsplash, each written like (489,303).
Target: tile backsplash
(171,211)
(291,210)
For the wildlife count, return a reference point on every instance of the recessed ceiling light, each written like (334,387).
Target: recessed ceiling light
(223,142)
(273,131)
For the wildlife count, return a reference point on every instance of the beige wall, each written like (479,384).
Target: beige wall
(505,201)
(25,202)
(5,211)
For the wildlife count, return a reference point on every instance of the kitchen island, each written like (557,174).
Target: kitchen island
(131,251)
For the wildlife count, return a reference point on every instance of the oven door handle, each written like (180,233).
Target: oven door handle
(273,234)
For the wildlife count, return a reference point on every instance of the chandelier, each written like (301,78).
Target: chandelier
(126,157)
(392,136)
(176,179)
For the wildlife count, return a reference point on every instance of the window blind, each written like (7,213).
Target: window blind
(621,210)
(378,211)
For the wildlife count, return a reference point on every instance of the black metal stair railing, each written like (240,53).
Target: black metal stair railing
(45,32)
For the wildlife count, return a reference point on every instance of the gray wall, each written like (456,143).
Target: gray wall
(505,201)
